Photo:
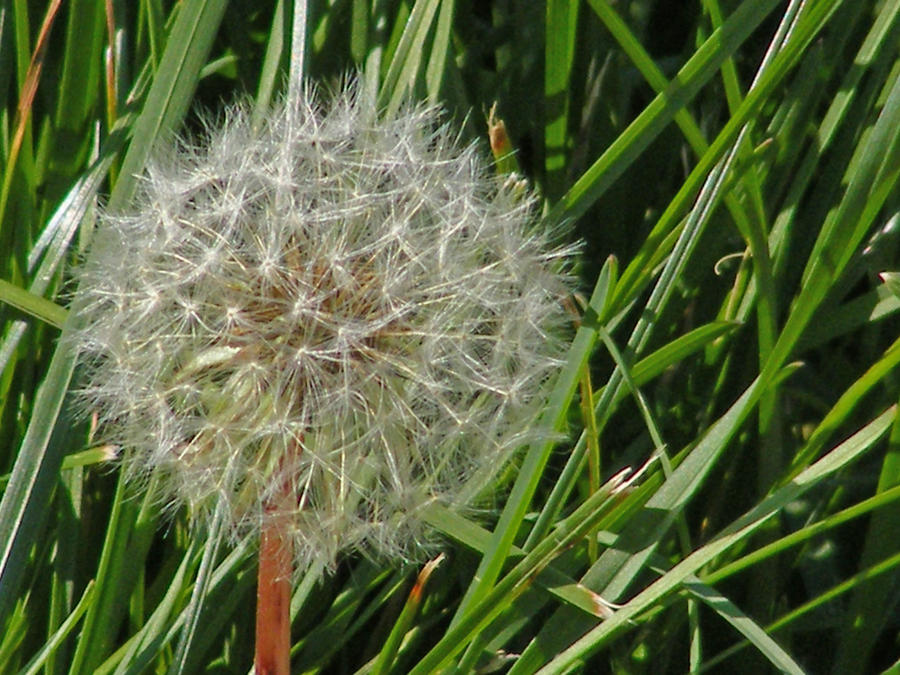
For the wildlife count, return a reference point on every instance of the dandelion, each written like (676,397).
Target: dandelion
(330,319)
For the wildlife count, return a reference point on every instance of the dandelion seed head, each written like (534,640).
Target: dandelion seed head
(344,303)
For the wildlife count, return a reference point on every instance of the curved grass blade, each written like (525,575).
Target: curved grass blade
(892,563)
(641,269)
(52,246)
(634,547)
(520,578)
(554,580)
(881,500)
(140,649)
(440,50)
(653,251)
(271,60)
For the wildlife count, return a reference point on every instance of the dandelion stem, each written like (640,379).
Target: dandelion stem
(273,593)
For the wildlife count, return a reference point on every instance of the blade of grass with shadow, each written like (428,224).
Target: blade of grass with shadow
(185,54)
(740,530)
(406,60)
(641,269)
(617,568)
(538,454)
(702,66)
(561,28)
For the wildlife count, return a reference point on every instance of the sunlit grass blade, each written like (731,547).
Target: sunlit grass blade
(561,27)
(38,307)
(846,404)
(681,252)
(637,274)
(343,624)
(406,61)
(440,51)
(739,160)
(842,455)
(40,659)
(692,76)
(867,575)
(269,73)
(140,649)
(79,459)
(161,629)
(755,634)
(34,476)
(867,506)
(870,605)
(868,186)
(29,87)
(186,52)
(167,101)
(520,578)
(842,320)
(388,653)
(552,580)
(617,566)
(538,454)
(826,136)
(198,595)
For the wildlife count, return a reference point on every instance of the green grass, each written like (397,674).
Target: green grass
(732,169)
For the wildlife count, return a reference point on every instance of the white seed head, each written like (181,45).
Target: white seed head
(339,303)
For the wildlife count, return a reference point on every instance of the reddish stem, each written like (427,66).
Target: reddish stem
(273,594)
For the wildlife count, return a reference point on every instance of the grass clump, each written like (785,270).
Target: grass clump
(712,476)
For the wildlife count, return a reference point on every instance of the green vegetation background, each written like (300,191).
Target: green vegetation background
(732,168)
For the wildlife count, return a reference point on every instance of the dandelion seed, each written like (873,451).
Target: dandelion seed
(339,306)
